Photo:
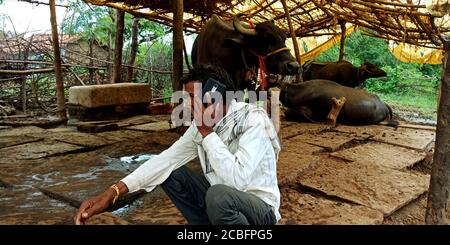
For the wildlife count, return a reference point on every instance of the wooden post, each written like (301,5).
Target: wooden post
(61,101)
(120,17)
(91,61)
(186,58)
(177,55)
(23,94)
(298,77)
(133,48)
(440,173)
(34,94)
(109,69)
(343,30)
(23,86)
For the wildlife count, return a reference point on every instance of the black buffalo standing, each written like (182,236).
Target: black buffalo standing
(236,47)
(342,72)
(311,101)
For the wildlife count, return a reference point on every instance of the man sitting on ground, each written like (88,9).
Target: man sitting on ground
(238,149)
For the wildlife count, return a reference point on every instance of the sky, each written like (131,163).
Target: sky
(28,17)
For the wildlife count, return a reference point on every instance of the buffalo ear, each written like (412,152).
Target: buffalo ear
(233,42)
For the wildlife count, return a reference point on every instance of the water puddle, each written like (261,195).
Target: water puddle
(125,210)
(139,159)
(128,163)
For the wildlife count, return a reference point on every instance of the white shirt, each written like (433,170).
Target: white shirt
(246,162)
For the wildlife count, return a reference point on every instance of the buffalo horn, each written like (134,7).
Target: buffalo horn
(241,29)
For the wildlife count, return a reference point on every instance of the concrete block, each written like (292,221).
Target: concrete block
(110,94)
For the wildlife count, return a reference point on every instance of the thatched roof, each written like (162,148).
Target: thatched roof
(408,21)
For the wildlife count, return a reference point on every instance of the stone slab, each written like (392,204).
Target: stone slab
(298,208)
(121,135)
(37,150)
(331,141)
(294,158)
(162,138)
(7,141)
(78,138)
(386,155)
(155,126)
(27,130)
(136,120)
(366,131)
(106,218)
(284,124)
(84,185)
(413,138)
(300,128)
(110,94)
(31,207)
(66,129)
(97,128)
(377,187)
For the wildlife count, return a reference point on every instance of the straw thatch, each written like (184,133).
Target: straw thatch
(411,21)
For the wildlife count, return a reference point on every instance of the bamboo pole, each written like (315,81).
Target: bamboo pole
(342,47)
(440,173)
(24,79)
(177,55)
(27,72)
(298,77)
(133,49)
(186,58)
(117,70)
(50,63)
(61,101)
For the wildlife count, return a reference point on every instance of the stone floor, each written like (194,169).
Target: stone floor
(345,175)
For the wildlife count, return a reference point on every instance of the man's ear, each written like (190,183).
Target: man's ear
(233,42)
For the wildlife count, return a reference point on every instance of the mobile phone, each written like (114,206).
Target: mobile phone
(213,87)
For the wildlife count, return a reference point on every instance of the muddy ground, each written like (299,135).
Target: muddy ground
(343,175)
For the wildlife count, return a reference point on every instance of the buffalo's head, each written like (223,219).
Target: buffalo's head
(267,40)
(371,70)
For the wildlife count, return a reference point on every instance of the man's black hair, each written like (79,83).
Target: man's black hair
(202,72)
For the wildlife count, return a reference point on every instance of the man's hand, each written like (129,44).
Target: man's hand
(93,206)
(204,117)
(97,204)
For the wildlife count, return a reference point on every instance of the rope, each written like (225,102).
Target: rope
(262,65)
(261,60)
(262,72)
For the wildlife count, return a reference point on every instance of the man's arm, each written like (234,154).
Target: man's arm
(157,169)
(236,169)
(150,174)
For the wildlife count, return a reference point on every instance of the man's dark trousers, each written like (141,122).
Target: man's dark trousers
(200,203)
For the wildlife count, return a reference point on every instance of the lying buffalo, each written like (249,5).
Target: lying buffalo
(342,72)
(311,101)
(236,48)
